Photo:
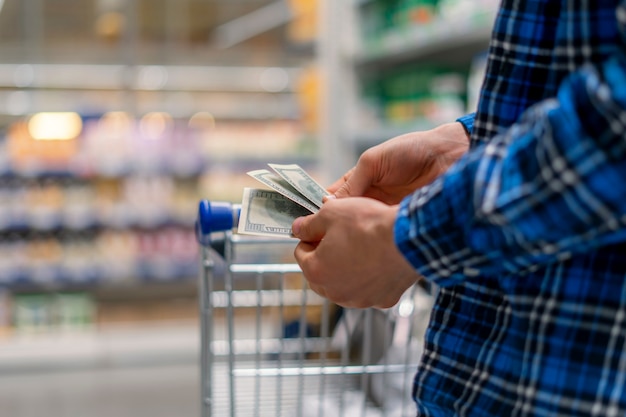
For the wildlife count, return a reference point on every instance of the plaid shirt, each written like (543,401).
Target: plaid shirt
(525,236)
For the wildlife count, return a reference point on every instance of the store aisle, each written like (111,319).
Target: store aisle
(155,391)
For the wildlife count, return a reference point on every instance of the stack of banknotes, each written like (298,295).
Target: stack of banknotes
(293,193)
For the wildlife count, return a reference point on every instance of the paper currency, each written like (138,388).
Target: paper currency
(301,181)
(279,184)
(268,213)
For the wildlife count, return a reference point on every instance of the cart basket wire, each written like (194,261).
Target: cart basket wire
(272,347)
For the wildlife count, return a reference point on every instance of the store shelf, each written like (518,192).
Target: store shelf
(441,40)
(224,106)
(396,67)
(227,92)
(62,223)
(118,205)
(104,216)
(367,138)
(58,277)
(149,77)
(119,171)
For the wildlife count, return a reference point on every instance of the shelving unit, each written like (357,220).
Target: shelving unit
(118,210)
(365,43)
(170,115)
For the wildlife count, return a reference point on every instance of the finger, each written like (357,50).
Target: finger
(306,256)
(356,184)
(309,228)
(301,252)
(318,289)
(337,184)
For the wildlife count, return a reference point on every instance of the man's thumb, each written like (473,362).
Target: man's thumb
(307,229)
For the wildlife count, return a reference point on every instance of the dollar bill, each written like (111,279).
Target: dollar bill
(301,181)
(268,213)
(283,187)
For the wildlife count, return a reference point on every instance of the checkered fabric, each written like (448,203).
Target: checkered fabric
(526,235)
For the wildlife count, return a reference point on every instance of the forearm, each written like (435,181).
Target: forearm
(550,186)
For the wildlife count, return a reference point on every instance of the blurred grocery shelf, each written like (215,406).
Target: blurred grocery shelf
(228,92)
(393,67)
(366,138)
(443,40)
(116,119)
(149,77)
(114,198)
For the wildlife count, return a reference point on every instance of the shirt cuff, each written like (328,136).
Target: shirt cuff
(468,122)
(432,229)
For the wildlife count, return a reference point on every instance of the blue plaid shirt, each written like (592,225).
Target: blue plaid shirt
(525,235)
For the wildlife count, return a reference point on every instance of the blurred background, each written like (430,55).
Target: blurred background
(118,116)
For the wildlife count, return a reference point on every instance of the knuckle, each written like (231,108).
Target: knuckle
(312,273)
(347,189)
(340,298)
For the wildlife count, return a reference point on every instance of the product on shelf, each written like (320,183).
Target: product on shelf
(220,183)
(79,262)
(106,145)
(148,198)
(32,313)
(258,140)
(421,92)
(31,155)
(78,209)
(166,254)
(5,314)
(53,312)
(43,202)
(183,151)
(116,255)
(394,22)
(110,206)
(9,199)
(13,261)
(183,202)
(44,254)
(74,311)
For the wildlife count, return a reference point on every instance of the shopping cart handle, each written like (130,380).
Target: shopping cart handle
(215,216)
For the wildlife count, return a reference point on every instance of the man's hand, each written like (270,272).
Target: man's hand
(347,250)
(395,168)
(347,253)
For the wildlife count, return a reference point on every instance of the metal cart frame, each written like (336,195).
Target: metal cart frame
(317,359)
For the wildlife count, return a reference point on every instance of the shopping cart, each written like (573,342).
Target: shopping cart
(272,347)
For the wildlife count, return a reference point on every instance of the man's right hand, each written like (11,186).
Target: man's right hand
(394,169)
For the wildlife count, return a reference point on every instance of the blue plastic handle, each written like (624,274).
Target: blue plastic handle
(214,217)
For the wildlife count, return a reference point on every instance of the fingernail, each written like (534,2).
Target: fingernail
(328,197)
(295,227)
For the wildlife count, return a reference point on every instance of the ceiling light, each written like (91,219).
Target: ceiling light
(55,126)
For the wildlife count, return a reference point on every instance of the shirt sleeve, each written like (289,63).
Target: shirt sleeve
(468,122)
(552,185)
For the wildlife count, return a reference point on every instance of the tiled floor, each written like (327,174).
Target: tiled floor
(155,391)
(134,371)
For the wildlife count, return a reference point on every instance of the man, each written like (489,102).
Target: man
(523,228)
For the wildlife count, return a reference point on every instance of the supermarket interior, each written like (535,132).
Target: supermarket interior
(118,116)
